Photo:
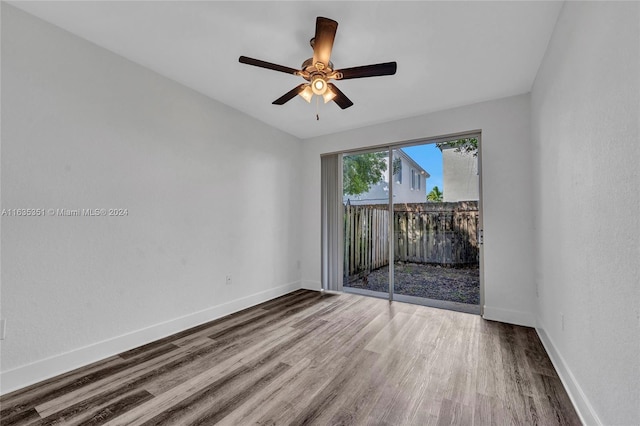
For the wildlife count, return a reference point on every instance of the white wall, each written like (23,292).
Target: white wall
(506,164)
(461,181)
(209,192)
(585,119)
(403,192)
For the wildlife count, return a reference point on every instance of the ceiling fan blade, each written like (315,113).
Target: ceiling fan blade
(340,98)
(267,65)
(387,68)
(323,41)
(289,95)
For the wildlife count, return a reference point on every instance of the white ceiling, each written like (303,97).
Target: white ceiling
(448,53)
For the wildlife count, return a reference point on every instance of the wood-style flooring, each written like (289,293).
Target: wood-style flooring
(309,358)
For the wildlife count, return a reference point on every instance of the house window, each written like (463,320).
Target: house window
(397,170)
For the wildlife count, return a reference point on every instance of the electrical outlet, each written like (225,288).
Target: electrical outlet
(3,328)
(298,265)
(562,321)
(228,279)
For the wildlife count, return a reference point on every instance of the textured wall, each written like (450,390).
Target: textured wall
(204,186)
(585,109)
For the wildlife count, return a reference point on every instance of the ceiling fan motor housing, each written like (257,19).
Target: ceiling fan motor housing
(318,67)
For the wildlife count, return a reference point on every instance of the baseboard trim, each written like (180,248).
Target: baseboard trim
(38,371)
(579,400)
(508,316)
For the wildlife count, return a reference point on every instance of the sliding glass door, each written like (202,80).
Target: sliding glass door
(366,186)
(435,227)
(411,224)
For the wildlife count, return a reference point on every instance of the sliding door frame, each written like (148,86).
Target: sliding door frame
(391,240)
(412,142)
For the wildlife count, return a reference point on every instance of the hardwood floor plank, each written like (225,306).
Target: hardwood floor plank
(274,393)
(95,411)
(212,403)
(313,358)
(425,334)
(268,318)
(454,413)
(214,326)
(299,395)
(517,382)
(340,340)
(171,377)
(490,379)
(232,365)
(313,346)
(358,342)
(66,387)
(27,393)
(329,395)
(364,393)
(393,403)
(488,411)
(185,337)
(25,397)
(114,383)
(117,408)
(23,417)
(278,301)
(320,314)
(160,376)
(383,340)
(225,348)
(555,405)
(536,356)
(229,404)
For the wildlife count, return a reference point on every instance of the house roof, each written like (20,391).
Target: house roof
(413,163)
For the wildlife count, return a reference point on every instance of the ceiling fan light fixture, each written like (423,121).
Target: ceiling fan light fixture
(307,93)
(319,86)
(328,95)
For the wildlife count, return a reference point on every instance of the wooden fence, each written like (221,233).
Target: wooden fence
(434,233)
(366,234)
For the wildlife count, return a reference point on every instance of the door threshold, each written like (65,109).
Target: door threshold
(432,303)
(440,304)
(363,292)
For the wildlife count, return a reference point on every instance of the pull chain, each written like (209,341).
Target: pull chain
(317,108)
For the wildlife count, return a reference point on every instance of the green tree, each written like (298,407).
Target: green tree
(466,145)
(434,195)
(362,171)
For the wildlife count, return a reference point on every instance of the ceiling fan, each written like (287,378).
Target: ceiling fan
(318,70)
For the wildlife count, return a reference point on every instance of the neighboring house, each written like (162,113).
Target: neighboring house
(409,184)
(460,175)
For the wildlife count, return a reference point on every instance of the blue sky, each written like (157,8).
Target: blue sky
(429,158)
